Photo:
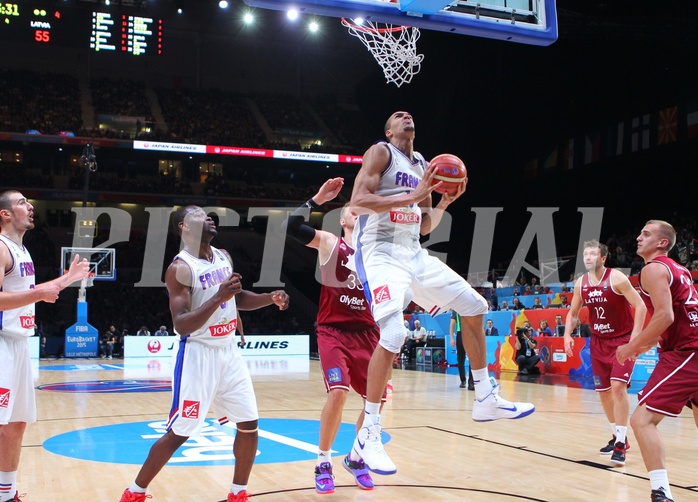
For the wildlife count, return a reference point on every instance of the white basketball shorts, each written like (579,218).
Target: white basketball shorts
(17,398)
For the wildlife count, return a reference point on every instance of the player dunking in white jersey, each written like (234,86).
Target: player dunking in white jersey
(18,294)
(392,194)
(205,294)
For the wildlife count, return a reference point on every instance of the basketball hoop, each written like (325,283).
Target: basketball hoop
(394,47)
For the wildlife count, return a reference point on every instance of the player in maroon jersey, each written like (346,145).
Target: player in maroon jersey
(347,335)
(608,295)
(668,291)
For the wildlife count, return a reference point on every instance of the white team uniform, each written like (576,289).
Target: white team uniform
(390,261)
(209,370)
(17,399)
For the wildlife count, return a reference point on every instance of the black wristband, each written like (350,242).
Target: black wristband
(312,204)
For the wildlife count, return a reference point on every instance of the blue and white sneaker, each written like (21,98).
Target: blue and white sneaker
(324,480)
(369,447)
(494,407)
(360,472)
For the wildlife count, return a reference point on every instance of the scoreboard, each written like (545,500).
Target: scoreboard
(132,34)
(106,31)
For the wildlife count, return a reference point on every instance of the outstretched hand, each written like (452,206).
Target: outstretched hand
(329,190)
(280,299)
(79,269)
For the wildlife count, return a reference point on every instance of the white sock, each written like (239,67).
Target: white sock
(235,489)
(8,485)
(371,414)
(621,432)
(613,427)
(134,488)
(483,385)
(660,481)
(324,456)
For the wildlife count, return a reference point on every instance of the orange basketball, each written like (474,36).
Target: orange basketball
(451,170)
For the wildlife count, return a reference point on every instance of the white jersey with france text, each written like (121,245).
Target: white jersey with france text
(19,322)
(401,223)
(219,329)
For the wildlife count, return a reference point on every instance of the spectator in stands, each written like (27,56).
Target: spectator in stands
(494,299)
(563,301)
(538,290)
(143,331)
(527,290)
(504,305)
(544,329)
(418,338)
(516,305)
(559,326)
(490,307)
(106,344)
(516,291)
(537,304)
(162,331)
(582,329)
(526,357)
(490,330)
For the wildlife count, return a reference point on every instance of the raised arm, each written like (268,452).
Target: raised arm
(318,239)
(431,217)
(364,199)
(44,292)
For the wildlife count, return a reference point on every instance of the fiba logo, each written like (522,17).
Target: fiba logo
(154,346)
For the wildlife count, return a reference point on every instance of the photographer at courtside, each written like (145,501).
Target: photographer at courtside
(526,357)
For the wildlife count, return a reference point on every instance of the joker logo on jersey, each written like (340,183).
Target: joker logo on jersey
(27,320)
(225,327)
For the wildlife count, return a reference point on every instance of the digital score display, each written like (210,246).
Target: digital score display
(103,31)
(30,24)
(136,35)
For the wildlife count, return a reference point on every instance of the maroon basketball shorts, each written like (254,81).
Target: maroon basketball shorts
(604,364)
(344,356)
(673,383)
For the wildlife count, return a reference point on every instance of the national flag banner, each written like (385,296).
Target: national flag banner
(531,169)
(568,154)
(615,136)
(692,121)
(592,146)
(551,160)
(640,138)
(668,125)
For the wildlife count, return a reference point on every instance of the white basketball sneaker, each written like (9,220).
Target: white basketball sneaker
(369,447)
(494,407)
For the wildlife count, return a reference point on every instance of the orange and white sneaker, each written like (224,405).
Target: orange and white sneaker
(242,496)
(129,496)
(389,389)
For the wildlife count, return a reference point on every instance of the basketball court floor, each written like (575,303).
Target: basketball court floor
(97,420)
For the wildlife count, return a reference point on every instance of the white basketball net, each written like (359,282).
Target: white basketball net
(394,47)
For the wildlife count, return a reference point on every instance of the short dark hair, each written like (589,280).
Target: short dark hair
(593,243)
(178,218)
(5,202)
